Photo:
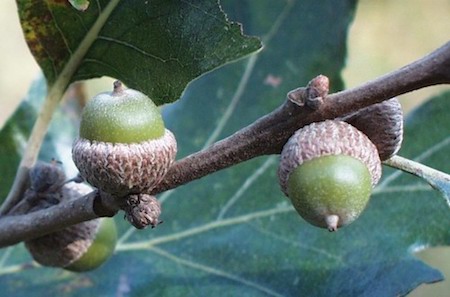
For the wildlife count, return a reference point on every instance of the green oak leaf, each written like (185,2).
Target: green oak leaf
(156,46)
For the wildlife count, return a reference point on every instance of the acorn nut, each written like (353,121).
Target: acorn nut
(328,170)
(123,146)
(81,247)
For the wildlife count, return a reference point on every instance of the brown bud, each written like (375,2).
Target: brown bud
(142,210)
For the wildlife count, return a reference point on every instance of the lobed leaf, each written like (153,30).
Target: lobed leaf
(156,47)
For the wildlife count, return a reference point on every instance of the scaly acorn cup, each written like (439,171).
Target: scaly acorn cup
(328,170)
(80,247)
(123,146)
(383,124)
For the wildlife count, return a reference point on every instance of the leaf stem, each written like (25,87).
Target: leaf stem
(203,228)
(437,179)
(55,93)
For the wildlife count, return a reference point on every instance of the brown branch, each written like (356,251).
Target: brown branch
(17,228)
(265,136)
(269,134)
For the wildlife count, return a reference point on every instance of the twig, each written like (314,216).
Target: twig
(265,136)
(268,134)
(17,228)
(437,179)
(45,221)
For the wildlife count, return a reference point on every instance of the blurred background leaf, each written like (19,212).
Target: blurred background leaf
(234,232)
(80,4)
(14,134)
(156,47)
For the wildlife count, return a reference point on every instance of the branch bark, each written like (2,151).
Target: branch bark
(264,137)
(22,227)
(269,134)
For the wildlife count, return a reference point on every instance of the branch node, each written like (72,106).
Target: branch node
(105,205)
(313,95)
(316,91)
(46,181)
(297,96)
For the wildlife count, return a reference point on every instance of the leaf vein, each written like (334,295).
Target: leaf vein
(96,61)
(402,189)
(322,252)
(244,187)
(202,229)
(133,47)
(214,271)
(205,12)
(7,253)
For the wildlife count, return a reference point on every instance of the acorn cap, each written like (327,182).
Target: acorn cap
(121,168)
(61,248)
(46,177)
(330,137)
(383,124)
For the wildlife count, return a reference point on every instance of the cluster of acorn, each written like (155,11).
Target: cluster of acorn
(122,155)
(328,169)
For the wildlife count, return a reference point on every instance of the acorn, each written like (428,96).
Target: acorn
(383,124)
(80,247)
(328,170)
(123,147)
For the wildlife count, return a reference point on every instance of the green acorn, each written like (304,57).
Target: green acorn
(123,146)
(328,170)
(80,247)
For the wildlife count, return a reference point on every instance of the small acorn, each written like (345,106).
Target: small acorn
(328,170)
(383,124)
(123,146)
(80,247)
